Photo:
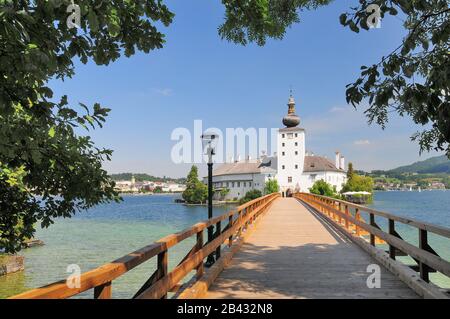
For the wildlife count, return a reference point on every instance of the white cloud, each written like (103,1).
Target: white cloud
(163,92)
(338,109)
(361,142)
(346,129)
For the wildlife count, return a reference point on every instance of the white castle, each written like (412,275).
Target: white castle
(294,169)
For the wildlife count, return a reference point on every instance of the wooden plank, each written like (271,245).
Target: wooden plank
(161,287)
(294,254)
(153,278)
(428,258)
(103,292)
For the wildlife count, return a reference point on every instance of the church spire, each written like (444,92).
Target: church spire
(291,104)
(291,120)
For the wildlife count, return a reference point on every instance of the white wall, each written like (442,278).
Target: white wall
(240,184)
(290,163)
(333,178)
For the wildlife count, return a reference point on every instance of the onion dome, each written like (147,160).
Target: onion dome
(291,120)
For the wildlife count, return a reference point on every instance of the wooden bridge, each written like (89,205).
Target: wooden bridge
(308,246)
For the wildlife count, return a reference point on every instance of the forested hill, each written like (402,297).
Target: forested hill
(145,177)
(434,165)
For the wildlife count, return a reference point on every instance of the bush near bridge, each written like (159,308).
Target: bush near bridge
(323,188)
(251,195)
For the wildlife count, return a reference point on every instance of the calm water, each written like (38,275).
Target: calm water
(110,231)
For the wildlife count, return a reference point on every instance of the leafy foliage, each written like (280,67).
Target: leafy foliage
(413,80)
(350,171)
(224,192)
(257,20)
(46,169)
(250,195)
(358,183)
(196,192)
(271,187)
(321,187)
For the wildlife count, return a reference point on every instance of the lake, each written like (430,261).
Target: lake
(110,231)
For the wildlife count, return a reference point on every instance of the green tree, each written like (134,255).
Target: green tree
(446,181)
(271,187)
(413,80)
(224,192)
(196,192)
(250,195)
(158,190)
(350,171)
(359,183)
(47,170)
(321,187)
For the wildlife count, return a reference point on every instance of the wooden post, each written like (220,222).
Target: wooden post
(372,223)
(163,266)
(340,210)
(392,232)
(218,232)
(104,291)
(230,224)
(200,268)
(423,244)
(347,213)
(358,232)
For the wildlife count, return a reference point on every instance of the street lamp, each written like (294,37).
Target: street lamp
(209,144)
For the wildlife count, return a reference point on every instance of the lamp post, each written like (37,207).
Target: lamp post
(209,145)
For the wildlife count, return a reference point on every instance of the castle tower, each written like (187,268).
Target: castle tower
(291,151)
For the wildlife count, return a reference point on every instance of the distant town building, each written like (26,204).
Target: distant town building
(147,186)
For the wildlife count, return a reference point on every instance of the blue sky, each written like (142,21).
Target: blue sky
(199,76)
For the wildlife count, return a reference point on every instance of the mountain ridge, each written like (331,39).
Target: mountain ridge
(433,165)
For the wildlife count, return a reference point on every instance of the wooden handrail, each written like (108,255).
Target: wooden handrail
(162,281)
(438,230)
(427,259)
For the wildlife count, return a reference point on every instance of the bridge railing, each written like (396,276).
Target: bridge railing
(161,282)
(348,216)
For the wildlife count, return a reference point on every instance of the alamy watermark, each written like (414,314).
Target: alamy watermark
(374,19)
(235,144)
(73,281)
(374,280)
(74,19)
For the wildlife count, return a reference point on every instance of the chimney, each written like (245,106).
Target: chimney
(338,159)
(343,163)
(249,158)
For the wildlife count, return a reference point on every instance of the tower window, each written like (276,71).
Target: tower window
(283,135)
(296,143)
(296,152)
(296,134)
(284,144)
(289,179)
(283,153)
(283,167)
(296,166)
